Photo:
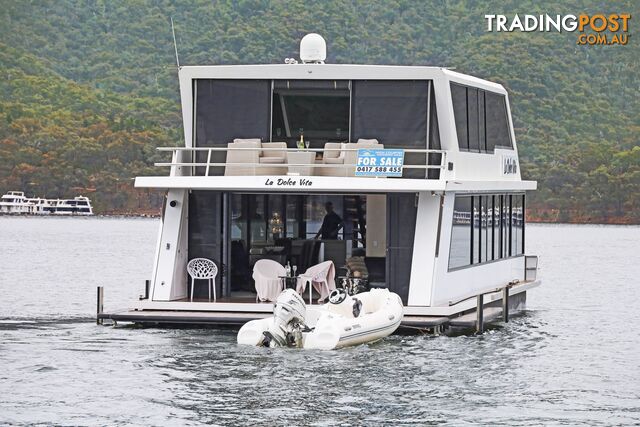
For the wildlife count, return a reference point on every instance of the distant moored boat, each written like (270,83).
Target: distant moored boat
(15,203)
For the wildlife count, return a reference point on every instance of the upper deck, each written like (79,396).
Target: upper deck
(456,130)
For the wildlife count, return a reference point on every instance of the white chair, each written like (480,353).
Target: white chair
(321,277)
(241,152)
(266,274)
(201,269)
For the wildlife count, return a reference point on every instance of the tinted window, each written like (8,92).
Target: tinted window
(517,225)
(485,227)
(393,112)
(472,118)
(497,206)
(228,109)
(317,115)
(460,251)
(434,138)
(459,99)
(497,126)
(506,226)
(481,124)
(477,237)
(481,119)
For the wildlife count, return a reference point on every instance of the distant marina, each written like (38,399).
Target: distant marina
(16,203)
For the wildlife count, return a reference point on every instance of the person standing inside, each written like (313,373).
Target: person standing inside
(331,224)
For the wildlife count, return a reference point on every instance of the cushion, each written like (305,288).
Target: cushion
(247,140)
(272,159)
(367,141)
(335,161)
(246,144)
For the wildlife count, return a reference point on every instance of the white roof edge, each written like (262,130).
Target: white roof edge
(326,184)
(460,186)
(290,184)
(456,77)
(333,71)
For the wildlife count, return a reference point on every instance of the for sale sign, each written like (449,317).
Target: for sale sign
(383,162)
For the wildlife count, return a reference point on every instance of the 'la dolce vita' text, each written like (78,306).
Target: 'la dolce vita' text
(288,182)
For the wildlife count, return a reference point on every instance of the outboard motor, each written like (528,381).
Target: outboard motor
(289,315)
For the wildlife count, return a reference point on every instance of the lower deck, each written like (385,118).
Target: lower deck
(497,304)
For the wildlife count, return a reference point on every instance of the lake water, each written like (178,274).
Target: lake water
(572,358)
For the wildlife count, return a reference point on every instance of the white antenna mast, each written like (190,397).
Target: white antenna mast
(175,45)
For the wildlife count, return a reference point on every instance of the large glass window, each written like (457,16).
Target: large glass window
(497,246)
(318,109)
(434,137)
(485,237)
(477,236)
(472,119)
(459,98)
(228,109)
(481,119)
(392,111)
(517,225)
(506,226)
(497,127)
(486,228)
(460,251)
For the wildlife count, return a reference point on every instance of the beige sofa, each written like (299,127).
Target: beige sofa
(252,153)
(347,156)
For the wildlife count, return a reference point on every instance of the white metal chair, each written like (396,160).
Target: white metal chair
(201,269)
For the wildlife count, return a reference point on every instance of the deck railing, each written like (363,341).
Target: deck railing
(189,157)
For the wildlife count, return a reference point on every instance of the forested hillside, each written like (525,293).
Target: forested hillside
(89,88)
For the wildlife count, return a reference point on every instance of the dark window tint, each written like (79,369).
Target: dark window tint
(228,109)
(472,119)
(460,251)
(434,137)
(497,126)
(481,124)
(459,98)
(394,113)
(481,119)
(319,109)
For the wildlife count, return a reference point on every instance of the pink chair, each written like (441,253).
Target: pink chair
(266,274)
(321,277)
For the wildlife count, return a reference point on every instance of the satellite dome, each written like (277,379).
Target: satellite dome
(313,48)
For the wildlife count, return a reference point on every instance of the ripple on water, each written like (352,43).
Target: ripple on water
(567,360)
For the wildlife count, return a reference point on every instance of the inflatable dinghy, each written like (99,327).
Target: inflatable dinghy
(345,320)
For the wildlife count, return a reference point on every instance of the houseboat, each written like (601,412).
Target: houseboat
(15,203)
(420,165)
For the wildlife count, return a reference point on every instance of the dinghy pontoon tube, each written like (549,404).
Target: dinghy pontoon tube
(344,321)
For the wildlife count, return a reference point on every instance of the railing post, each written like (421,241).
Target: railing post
(99,305)
(480,314)
(505,304)
(147,285)
(206,173)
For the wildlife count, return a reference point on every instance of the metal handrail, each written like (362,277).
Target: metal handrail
(315,150)
(209,150)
